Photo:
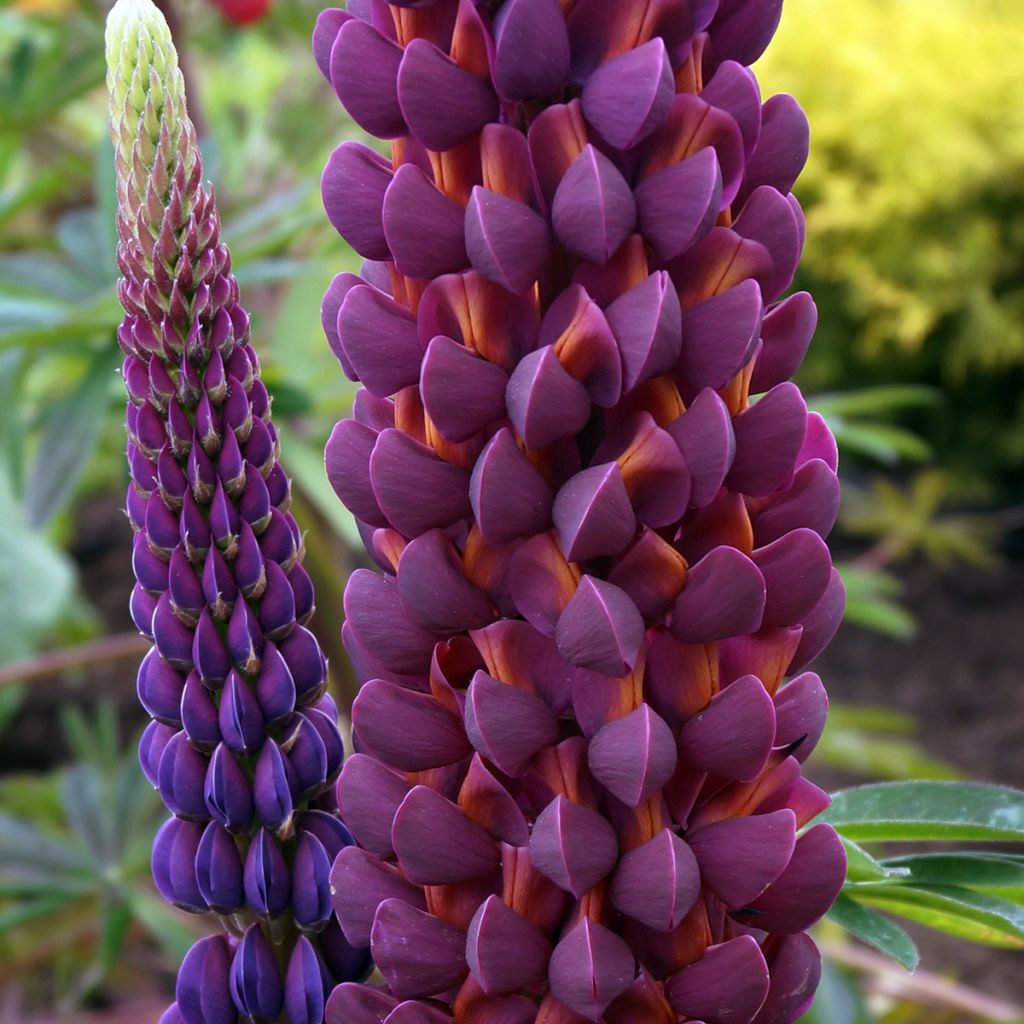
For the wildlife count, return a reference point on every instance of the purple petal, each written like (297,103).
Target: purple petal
(652,572)
(160,688)
(531,58)
(418,954)
(647,326)
(724,596)
(807,888)
(304,985)
(218,871)
(311,891)
(593,515)
(462,393)
(573,846)
(510,498)
(507,725)
(379,338)
(545,402)
(819,443)
(742,30)
(507,242)
(227,792)
(330,307)
(679,203)
(785,336)
(821,623)
(203,994)
(782,149)
(719,336)
(727,986)
(705,437)
(180,775)
(630,95)
(359,1004)
(634,756)
(364,72)
(174,864)
(795,965)
(359,885)
(505,952)
(306,663)
(734,89)
(429,737)
(489,803)
(740,857)
(347,459)
(443,104)
(801,708)
(733,735)
(352,187)
(657,883)
(593,211)
(415,489)
(589,968)
(240,716)
(424,228)
(811,502)
(769,218)
(369,794)
(601,629)
(255,980)
(796,570)
(768,439)
(328,24)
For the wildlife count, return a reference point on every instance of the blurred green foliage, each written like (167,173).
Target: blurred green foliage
(915,224)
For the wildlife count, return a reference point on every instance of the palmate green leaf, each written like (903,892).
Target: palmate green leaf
(884,935)
(963,913)
(897,811)
(25,911)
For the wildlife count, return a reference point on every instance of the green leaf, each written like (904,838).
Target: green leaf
(872,401)
(70,432)
(163,923)
(897,811)
(31,910)
(877,931)
(1000,876)
(862,867)
(977,917)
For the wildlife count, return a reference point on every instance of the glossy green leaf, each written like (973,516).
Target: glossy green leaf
(977,917)
(877,931)
(895,811)
(999,876)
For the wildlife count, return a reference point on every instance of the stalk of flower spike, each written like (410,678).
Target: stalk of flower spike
(244,745)
(599,507)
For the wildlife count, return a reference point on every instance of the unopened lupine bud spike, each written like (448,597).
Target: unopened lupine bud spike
(599,507)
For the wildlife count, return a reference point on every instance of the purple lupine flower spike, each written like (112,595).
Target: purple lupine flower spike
(599,507)
(244,745)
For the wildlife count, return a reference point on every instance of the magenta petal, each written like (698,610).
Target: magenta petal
(801,708)
(544,402)
(593,211)
(724,596)
(573,846)
(429,737)
(657,883)
(740,857)
(782,149)
(330,307)
(630,95)
(769,218)
(359,1004)
(785,336)
(733,735)
(811,501)
(531,58)
(379,338)
(510,498)
(379,621)
(600,628)
(593,515)
(541,582)
(465,852)
(727,986)
(424,228)
(415,489)
(413,1011)
(589,968)
(719,335)
(443,103)
(646,322)
(507,725)
(505,951)
(734,88)
(819,443)
(679,203)
(795,965)
(705,437)
(768,439)
(353,186)
(796,570)
(359,885)
(461,392)
(364,72)
(434,589)
(347,460)
(507,242)
(328,23)
(807,888)
(417,954)
(369,794)
(491,805)
(634,756)
(820,624)
(743,29)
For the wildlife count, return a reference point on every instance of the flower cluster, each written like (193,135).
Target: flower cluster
(599,506)
(244,745)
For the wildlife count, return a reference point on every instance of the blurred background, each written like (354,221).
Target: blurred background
(915,253)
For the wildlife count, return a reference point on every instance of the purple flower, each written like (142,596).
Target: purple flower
(599,507)
(244,745)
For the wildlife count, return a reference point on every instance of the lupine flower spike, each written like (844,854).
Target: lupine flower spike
(244,745)
(598,505)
